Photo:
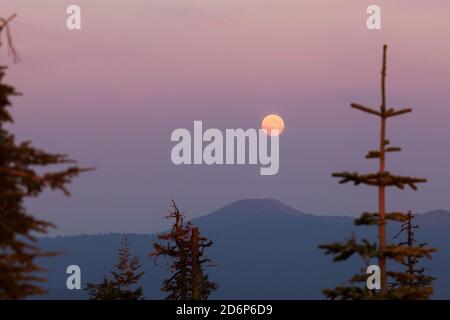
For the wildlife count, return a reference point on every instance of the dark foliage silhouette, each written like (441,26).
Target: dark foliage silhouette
(184,246)
(19,180)
(125,279)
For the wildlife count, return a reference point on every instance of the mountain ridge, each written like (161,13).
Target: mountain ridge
(263,249)
(249,203)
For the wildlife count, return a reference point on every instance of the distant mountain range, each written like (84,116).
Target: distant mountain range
(263,249)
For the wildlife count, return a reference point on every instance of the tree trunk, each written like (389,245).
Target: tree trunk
(381,188)
(195,265)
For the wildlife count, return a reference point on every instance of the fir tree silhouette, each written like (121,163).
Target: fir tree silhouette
(184,246)
(381,250)
(124,280)
(20,180)
(105,290)
(414,276)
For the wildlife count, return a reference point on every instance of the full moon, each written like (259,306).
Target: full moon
(273,122)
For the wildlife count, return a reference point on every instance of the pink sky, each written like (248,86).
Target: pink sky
(111,93)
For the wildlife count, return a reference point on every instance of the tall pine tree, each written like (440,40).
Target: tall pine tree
(381,250)
(19,180)
(184,246)
(125,277)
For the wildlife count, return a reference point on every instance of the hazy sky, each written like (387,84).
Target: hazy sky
(111,94)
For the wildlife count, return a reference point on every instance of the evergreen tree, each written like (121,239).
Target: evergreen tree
(125,277)
(105,290)
(414,276)
(19,180)
(201,286)
(184,246)
(381,250)
(127,274)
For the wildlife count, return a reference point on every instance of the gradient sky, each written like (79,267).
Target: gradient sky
(111,94)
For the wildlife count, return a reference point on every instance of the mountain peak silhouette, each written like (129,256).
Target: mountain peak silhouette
(262,249)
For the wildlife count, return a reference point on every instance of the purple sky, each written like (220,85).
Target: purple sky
(111,94)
